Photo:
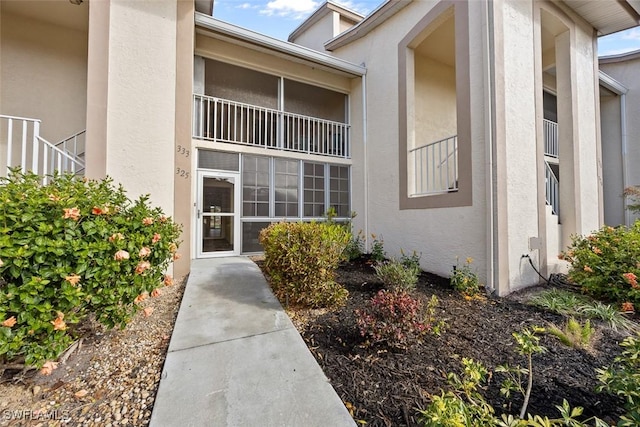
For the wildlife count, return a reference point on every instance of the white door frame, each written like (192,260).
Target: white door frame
(203,212)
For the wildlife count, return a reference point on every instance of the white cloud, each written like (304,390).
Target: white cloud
(360,7)
(632,34)
(245,6)
(296,9)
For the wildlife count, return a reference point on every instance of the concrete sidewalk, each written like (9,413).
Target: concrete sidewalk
(235,358)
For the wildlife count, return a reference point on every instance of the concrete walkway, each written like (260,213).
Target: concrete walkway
(235,358)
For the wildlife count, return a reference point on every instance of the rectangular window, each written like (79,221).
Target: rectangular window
(255,186)
(313,179)
(339,190)
(208,159)
(286,188)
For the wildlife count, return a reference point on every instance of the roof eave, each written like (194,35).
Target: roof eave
(232,32)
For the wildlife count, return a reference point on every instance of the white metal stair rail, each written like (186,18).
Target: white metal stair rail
(552,189)
(435,167)
(25,149)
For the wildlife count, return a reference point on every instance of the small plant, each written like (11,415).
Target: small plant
(397,276)
(410,261)
(396,319)
(465,280)
(623,379)
(632,194)
(301,259)
(610,315)
(377,250)
(606,264)
(574,334)
(355,247)
(559,301)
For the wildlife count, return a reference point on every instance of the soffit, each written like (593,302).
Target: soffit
(57,12)
(608,16)
(440,44)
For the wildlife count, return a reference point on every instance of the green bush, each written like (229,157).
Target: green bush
(623,379)
(68,249)
(377,249)
(606,264)
(355,247)
(397,276)
(301,259)
(465,280)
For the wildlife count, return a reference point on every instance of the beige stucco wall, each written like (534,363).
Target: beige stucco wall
(441,234)
(320,32)
(131,121)
(625,71)
(43,74)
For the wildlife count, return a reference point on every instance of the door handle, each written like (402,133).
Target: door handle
(199,213)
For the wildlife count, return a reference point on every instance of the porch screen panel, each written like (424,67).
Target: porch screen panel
(314,101)
(286,187)
(219,160)
(250,233)
(255,186)
(240,84)
(339,190)
(313,179)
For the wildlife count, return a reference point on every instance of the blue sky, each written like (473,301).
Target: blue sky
(278,18)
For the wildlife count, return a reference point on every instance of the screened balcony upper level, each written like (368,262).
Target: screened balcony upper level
(248,107)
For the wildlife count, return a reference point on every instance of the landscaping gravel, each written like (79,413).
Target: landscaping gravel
(110,380)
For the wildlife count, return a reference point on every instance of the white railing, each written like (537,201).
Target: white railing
(24,148)
(552,190)
(74,145)
(550,130)
(435,167)
(222,120)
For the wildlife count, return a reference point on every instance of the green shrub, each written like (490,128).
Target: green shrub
(623,379)
(465,280)
(606,264)
(68,249)
(397,319)
(397,276)
(573,334)
(377,249)
(301,259)
(355,247)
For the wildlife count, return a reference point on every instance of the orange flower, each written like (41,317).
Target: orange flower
(121,255)
(115,237)
(142,267)
(156,293)
(176,256)
(147,221)
(144,252)
(143,296)
(73,279)
(561,256)
(54,198)
(71,213)
(168,280)
(172,248)
(162,219)
(48,368)
(588,269)
(58,323)
(631,279)
(97,211)
(596,250)
(10,322)
(147,311)
(156,238)
(627,307)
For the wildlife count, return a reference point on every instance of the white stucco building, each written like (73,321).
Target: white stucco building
(452,128)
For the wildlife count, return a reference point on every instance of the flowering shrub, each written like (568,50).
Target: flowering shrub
(465,280)
(396,319)
(606,264)
(68,249)
(301,259)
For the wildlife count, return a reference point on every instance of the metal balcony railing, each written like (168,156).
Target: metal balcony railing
(552,190)
(435,167)
(550,130)
(222,120)
(24,148)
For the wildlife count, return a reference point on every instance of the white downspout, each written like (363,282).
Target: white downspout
(366,161)
(489,135)
(625,159)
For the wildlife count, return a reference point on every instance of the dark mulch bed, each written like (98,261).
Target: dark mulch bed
(385,387)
